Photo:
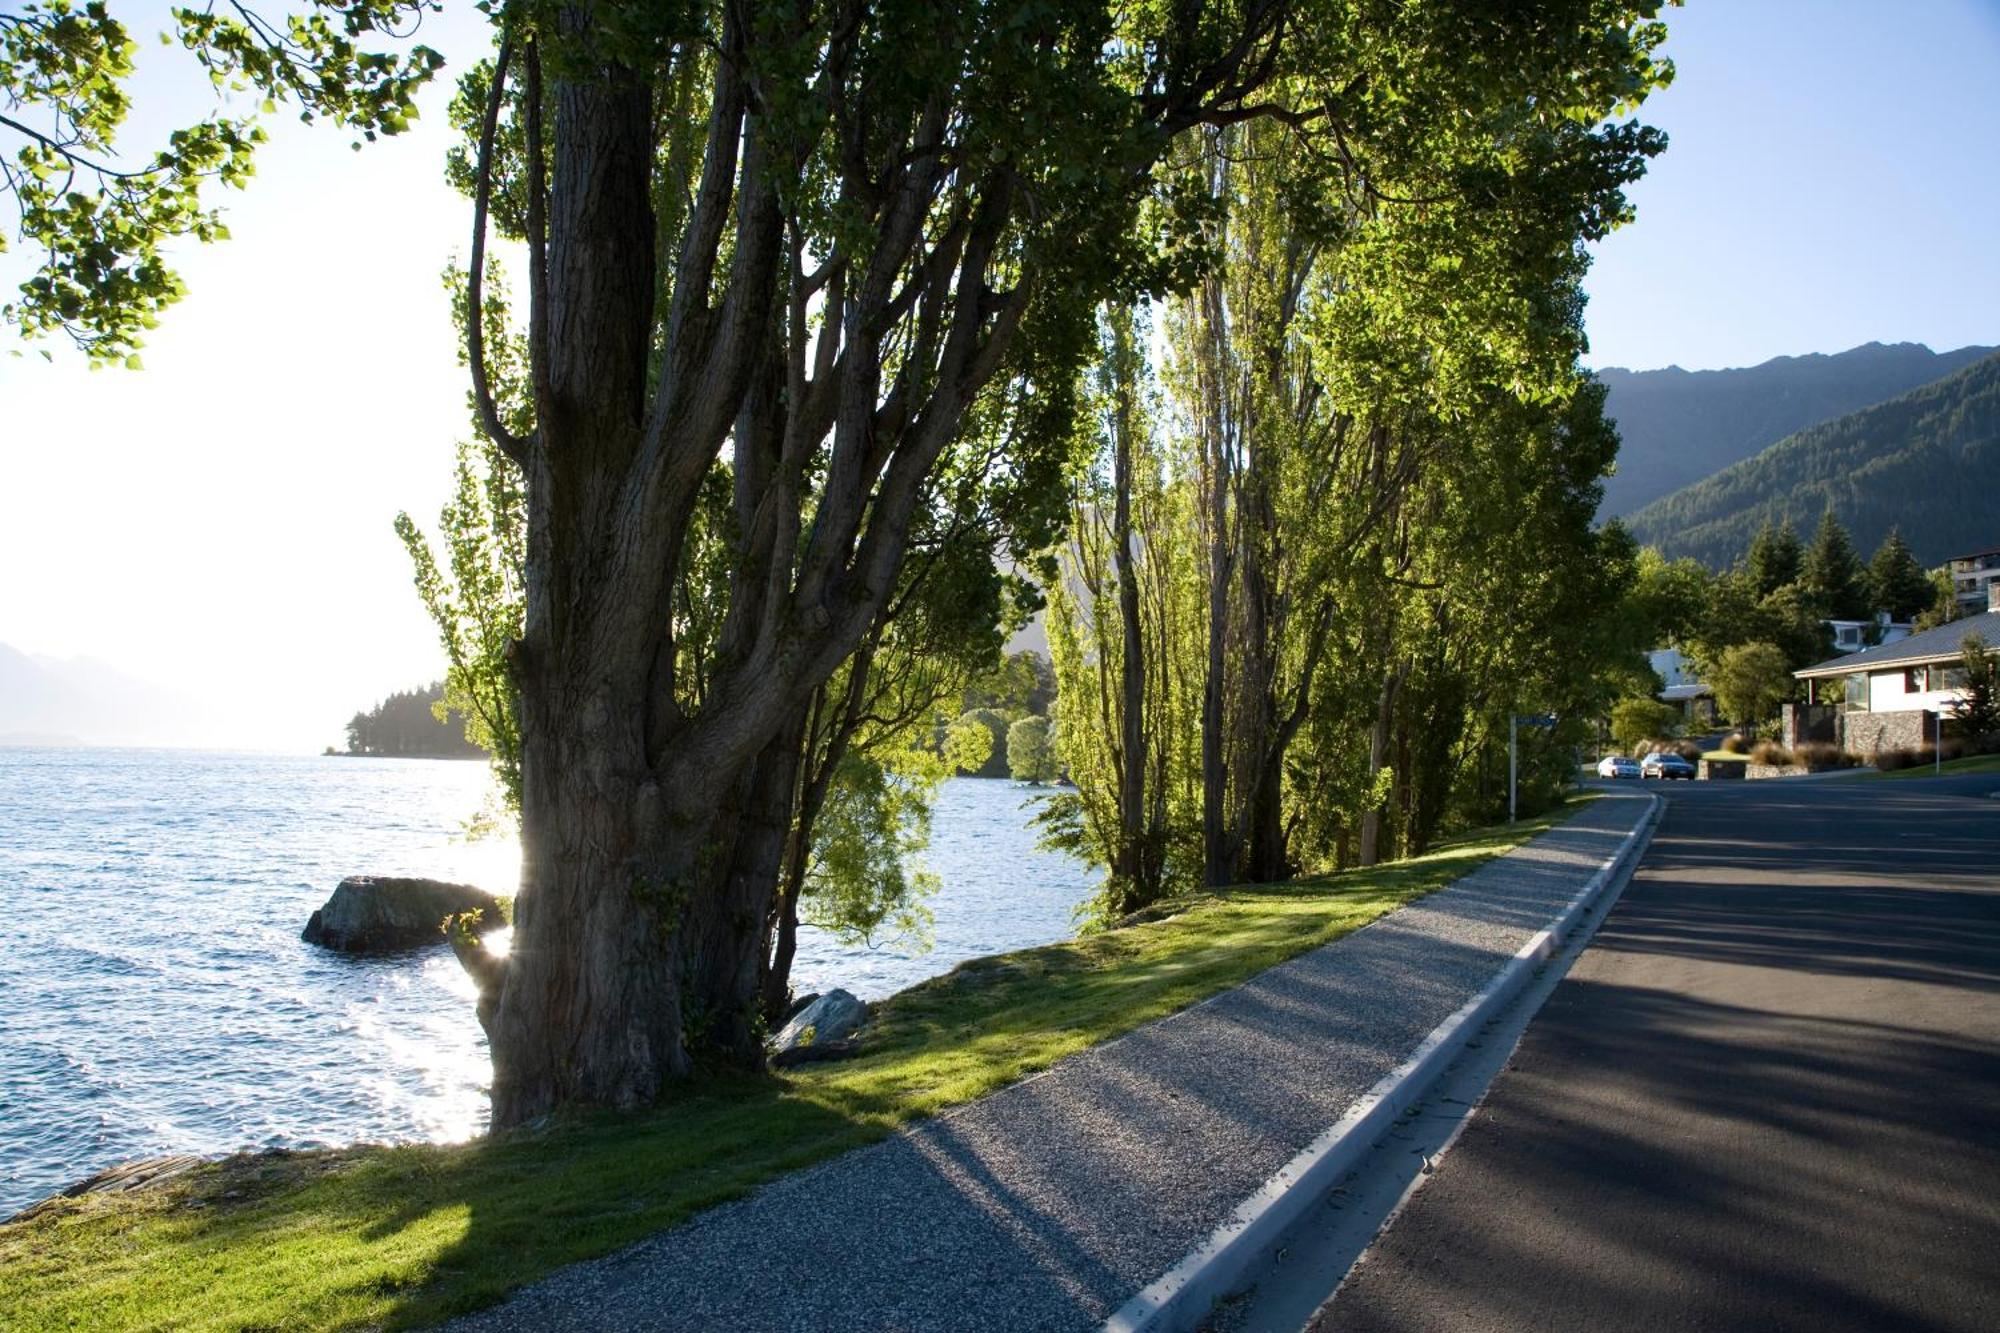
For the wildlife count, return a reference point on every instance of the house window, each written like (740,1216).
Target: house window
(1920,680)
(1855,693)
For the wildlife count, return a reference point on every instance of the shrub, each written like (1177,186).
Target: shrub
(1633,720)
(1821,755)
(1770,752)
(1917,756)
(1735,743)
(1687,750)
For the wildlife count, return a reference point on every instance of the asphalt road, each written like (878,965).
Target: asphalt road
(1767,1097)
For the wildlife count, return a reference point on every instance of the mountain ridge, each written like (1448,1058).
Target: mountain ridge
(1679,426)
(1924,461)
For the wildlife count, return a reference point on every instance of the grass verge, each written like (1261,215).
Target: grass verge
(399,1237)
(1975,763)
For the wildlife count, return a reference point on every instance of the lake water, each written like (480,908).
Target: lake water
(155,996)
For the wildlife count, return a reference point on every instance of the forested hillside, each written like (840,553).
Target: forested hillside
(1679,426)
(1925,461)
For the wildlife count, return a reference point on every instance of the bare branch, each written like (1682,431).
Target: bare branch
(496,430)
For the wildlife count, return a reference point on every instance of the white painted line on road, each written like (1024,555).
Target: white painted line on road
(1181,1297)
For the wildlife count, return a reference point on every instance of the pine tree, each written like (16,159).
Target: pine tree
(1773,560)
(1831,575)
(1896,582)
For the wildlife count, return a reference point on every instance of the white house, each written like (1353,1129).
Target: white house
(1680,687)
(1893,689)
(1851,636)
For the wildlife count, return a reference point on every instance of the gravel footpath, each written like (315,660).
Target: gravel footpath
(1048,1204)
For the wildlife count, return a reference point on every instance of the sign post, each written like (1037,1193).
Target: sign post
(1515,722)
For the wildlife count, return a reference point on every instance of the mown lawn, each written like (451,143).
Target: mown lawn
(403,1237)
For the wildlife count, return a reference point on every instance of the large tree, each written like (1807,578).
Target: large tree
(1896,582)
(1832,580)
(842,260)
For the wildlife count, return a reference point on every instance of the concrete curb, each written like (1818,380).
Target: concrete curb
(1179,1299)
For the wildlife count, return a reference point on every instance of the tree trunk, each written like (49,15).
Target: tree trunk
(1370,851)
(1259,823)
(1218,856)
(1132,865)
(589,1007)
(724,936)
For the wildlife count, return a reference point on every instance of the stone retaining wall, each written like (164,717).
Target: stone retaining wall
(1866,734)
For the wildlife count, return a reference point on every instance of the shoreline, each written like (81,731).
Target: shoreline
(954,1038)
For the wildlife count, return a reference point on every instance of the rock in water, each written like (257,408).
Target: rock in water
(376,914)
(821,1030)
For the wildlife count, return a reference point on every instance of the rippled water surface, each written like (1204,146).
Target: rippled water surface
(155,996)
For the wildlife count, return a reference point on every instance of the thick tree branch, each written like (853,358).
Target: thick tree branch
(515,447)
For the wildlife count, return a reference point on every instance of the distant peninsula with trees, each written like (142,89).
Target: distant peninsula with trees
(410,724)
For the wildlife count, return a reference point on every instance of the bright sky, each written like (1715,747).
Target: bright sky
(1830,182)
(219,523)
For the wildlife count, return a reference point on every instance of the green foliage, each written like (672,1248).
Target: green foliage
(1023,683)
(477,594)
(1642,719)
(993,763)
(1831,577)
(102,228)
(1943,605)
(1921,462)
(1736,615)
(1775,559)
(1750,679)
(1977,708)
(1896,582)
(475,599)
(1031,755)
(863,883)
(1374,428)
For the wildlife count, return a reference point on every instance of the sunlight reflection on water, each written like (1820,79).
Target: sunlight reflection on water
(155,996)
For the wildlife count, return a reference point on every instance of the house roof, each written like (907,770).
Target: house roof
(1933,645)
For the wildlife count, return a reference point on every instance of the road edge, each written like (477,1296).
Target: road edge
(1177,1300)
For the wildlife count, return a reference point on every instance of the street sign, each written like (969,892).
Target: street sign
(1514,724)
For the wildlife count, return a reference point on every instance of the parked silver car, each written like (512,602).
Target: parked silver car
(1665,764)
(1617,766)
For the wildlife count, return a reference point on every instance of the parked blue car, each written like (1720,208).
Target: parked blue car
(1665,764)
